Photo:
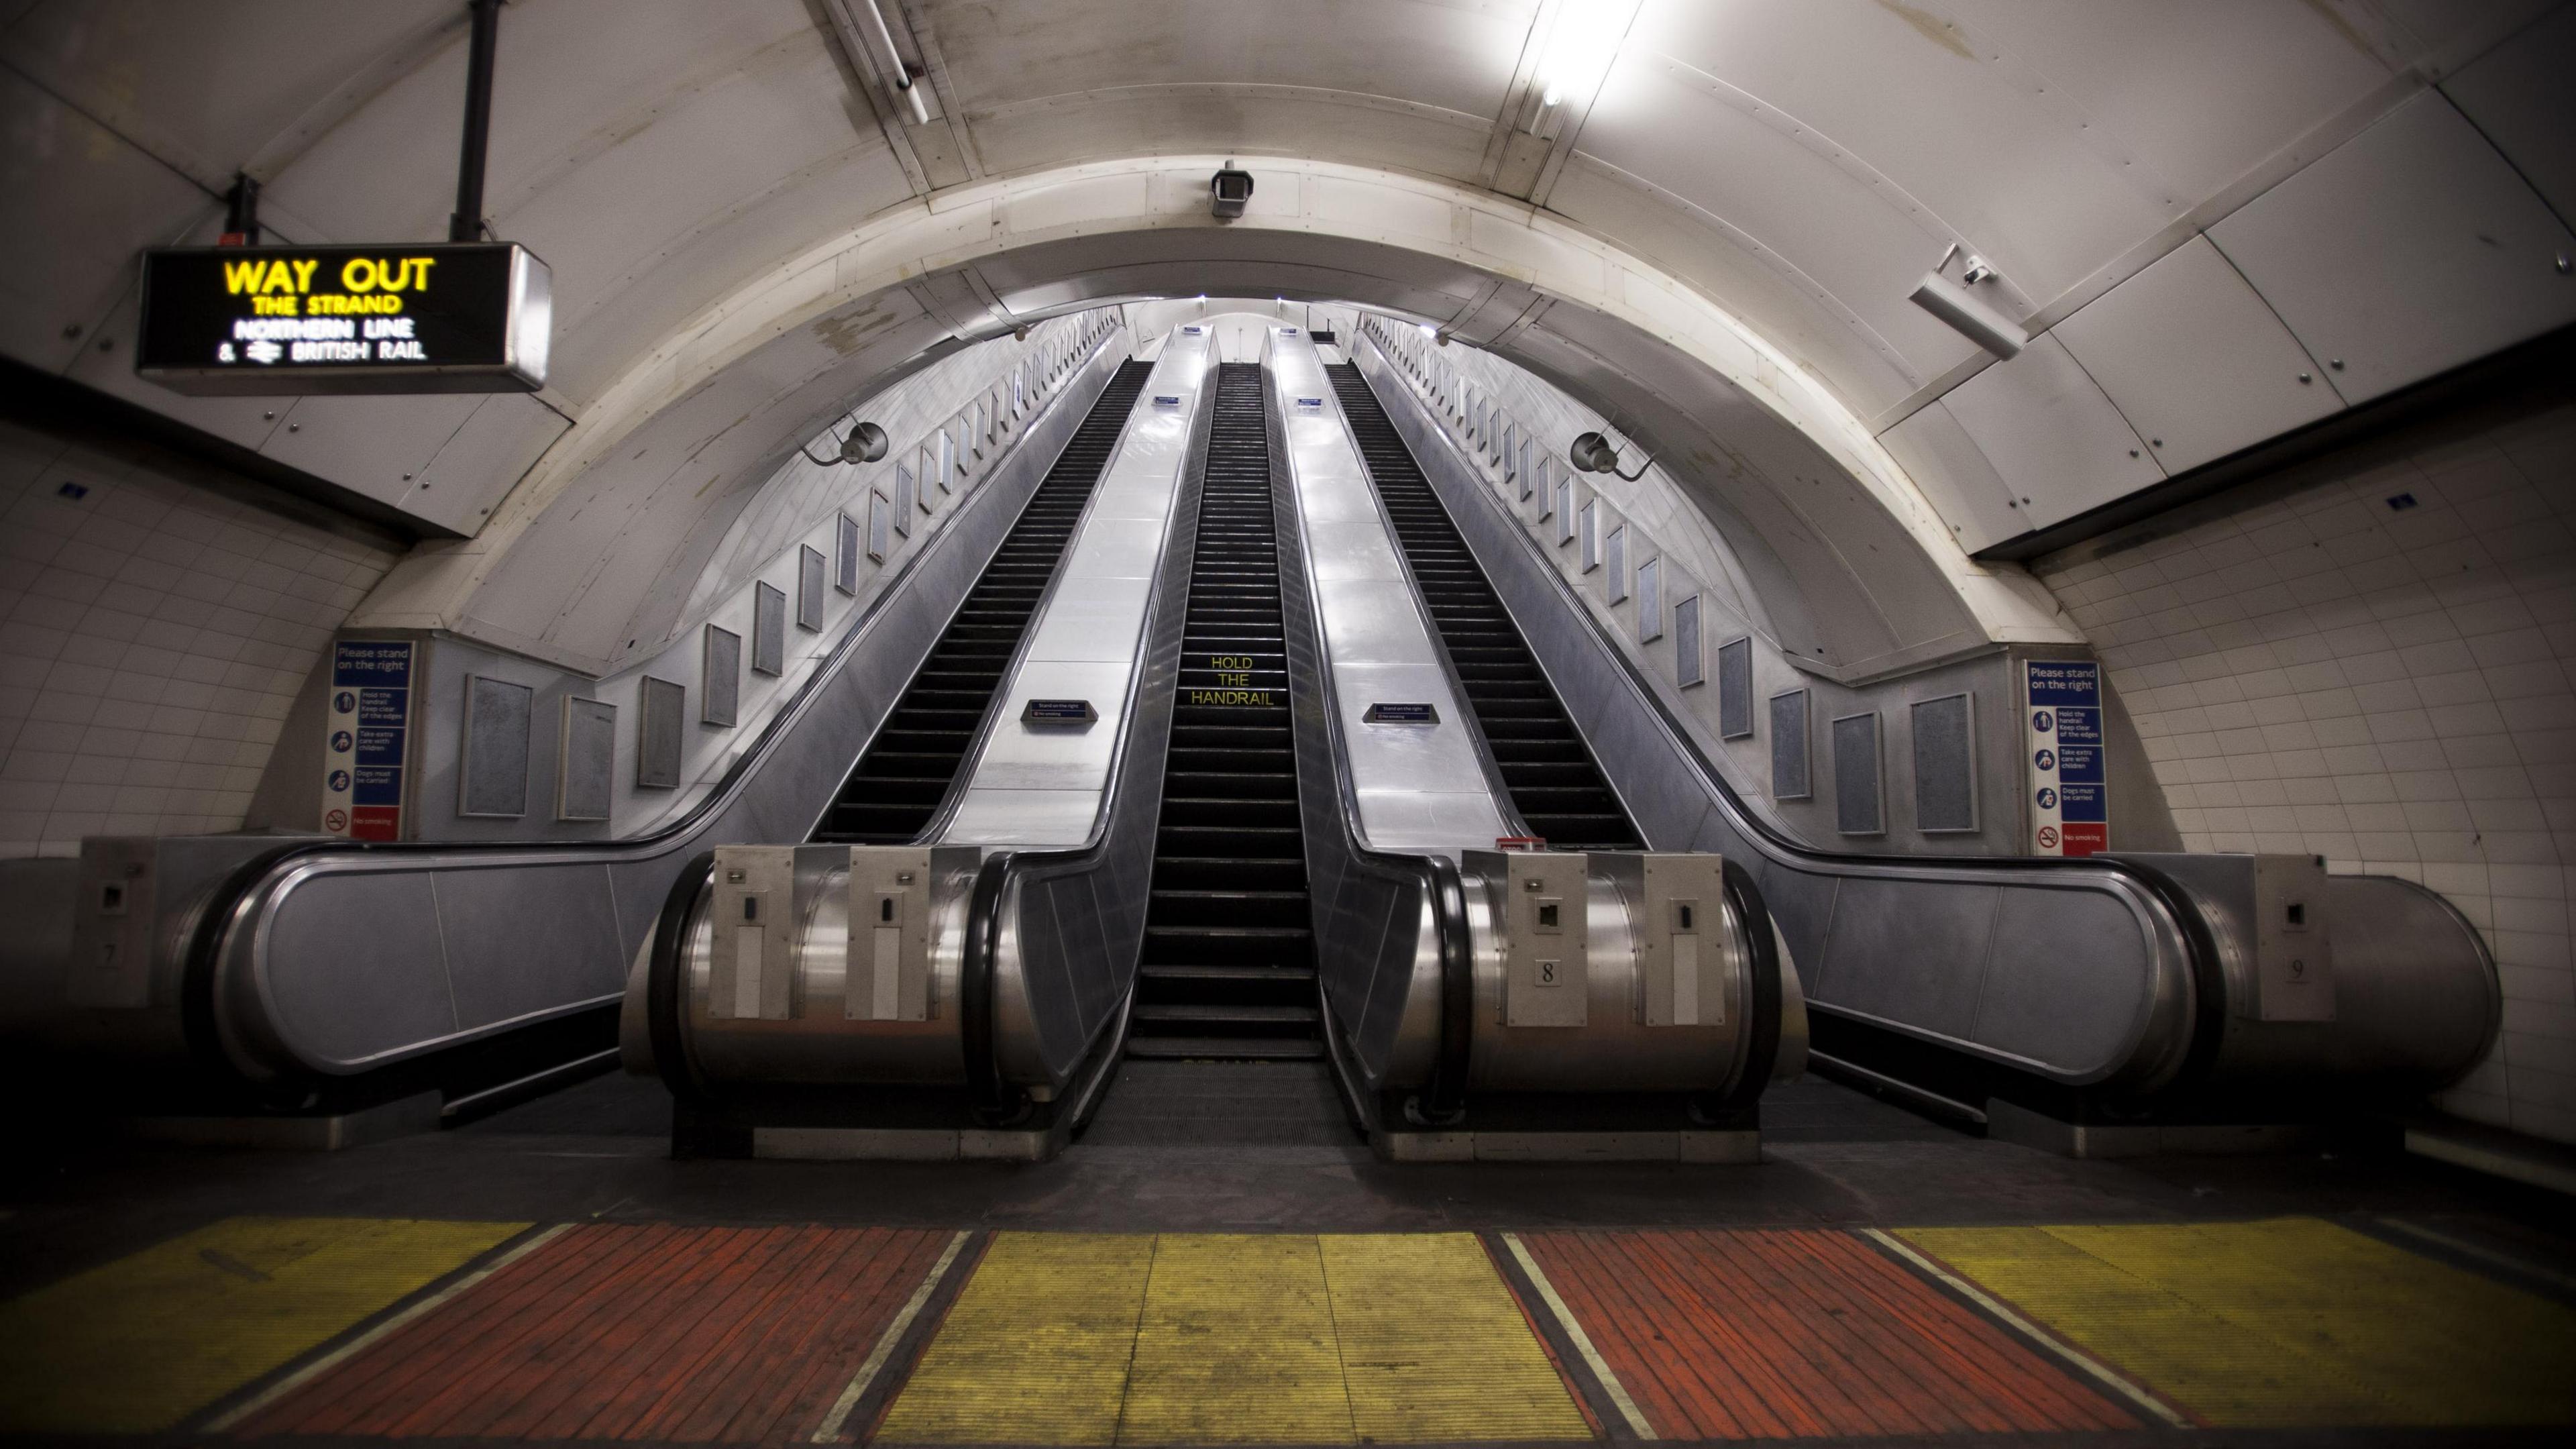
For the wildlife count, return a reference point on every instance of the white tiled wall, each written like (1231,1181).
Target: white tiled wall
(2386,685)
(152,633)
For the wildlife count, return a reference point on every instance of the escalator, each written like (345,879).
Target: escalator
(891,797)
(1228,968)
(1554,782)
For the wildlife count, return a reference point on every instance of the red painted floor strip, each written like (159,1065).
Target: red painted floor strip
(703,1335)
(1778,1334)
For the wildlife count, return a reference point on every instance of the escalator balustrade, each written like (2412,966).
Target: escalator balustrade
(908,769)
(1550,772)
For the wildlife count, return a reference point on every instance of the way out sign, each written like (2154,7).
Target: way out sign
(2069,800)
(397,318)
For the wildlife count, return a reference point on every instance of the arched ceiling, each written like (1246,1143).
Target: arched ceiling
(1753,186)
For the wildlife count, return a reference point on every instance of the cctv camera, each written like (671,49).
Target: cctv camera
(1228,191)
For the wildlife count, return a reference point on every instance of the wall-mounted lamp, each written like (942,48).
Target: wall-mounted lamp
(1965,312)
(1593,453)
(865,444)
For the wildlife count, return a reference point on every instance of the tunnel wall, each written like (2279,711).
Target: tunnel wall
(2368,657)
(158,618)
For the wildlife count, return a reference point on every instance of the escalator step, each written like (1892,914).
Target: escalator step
(1228,969)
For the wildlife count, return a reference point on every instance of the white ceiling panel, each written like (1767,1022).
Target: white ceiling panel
(1003,53)
(206,87)
(2194,92)
(377,446)
(246,421)
(2523,96)
(1843,235)
(482,461)
(1145,121)
(2011,170)
(1963,487)
(2051,435)
(2195,361)
(1862,366)
(100,198)
(2408,250)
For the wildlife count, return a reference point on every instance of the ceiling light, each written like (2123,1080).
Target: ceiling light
(1581,44)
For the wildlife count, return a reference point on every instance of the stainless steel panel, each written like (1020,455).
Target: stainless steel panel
(1944,732)
(1912,952)
(353,970)
(2067,989)
(720,677)
(768,629)
(1860,793)
(585,770)
(113,918)
(492,759)
(753,918)
(508,961)
(1687,967)
(1091,619)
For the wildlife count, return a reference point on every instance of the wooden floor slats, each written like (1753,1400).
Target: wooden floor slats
(680,1334)
(1784,1334)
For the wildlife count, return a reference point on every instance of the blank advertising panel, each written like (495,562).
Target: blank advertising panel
(492,773)
(1690,666)
(809,587)
(768,629)
(586,773)
(1860,803)
(658,734)
(1945,764)
(1790,778)
(720,687)
(1735,689)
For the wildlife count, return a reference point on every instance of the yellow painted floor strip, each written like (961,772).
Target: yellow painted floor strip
(2286,1322)
(1067,1339)
(140,1344)
(1237,1344)
(1434,1347)
(1035,1350)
